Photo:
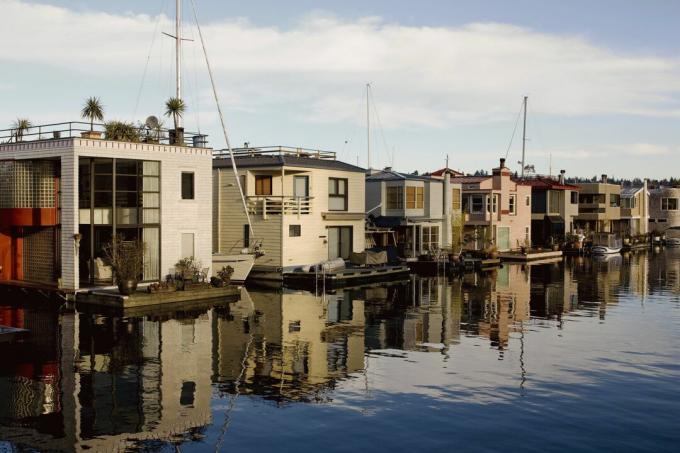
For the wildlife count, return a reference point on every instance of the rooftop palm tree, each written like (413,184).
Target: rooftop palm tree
(175,107)
(20,126)
(93,110)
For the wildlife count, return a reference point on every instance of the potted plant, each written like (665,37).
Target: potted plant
(92,110)
(187,269)
(127,262)
(121,131)
(20,126)
(175,108)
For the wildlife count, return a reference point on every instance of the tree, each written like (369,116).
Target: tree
(121,131)
(175,108)
(20,126)
(92,110)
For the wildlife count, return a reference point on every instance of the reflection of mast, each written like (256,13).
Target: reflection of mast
(522,367)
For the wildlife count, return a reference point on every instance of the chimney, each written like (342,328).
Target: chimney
(561,178)
(604,179)
(502,162)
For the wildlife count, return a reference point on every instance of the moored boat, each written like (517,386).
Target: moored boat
(606,244)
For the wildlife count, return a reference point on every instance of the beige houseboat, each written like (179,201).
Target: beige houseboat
(634,210)
(599,207)
(305,207)
(664,208)
(496,210)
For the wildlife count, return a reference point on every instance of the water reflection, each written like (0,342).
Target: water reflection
(86,380)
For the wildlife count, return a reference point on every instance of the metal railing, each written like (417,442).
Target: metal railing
(276,151)
(276,205)
(78,129)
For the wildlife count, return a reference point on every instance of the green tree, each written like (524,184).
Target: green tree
(175,108)
(20,126)
(92,110)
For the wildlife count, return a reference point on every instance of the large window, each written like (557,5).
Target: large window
(263,185)
(395,197)
(455,199)
(187,185)
(614,200)
(492,204)
(513,204)
(339,242)
(301,186)
(628,203)
(430,237)
(337,194)
(574,197)
(669,204)
(414,197)
(553,201)
(476,204)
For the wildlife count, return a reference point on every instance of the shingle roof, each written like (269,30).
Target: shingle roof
(628,192)
(469,179)
(389,175)
(286,161)
(546,183)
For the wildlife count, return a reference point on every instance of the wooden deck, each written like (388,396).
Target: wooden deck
(172,299)
(530,255)
(345,277)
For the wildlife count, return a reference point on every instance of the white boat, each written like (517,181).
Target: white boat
(672,237)
(606,244)
(241,263)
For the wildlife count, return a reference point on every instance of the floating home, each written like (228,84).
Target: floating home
(64,197)
(634,210)
(664,208)
(417,214)
(305,207)
(599,207)
(496,210)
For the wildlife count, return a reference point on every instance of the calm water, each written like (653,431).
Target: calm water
(582,356)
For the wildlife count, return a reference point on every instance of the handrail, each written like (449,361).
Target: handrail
(74,129)
(277,151)
(265,205)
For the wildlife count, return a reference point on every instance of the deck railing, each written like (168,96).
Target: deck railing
(276,151)
(75,129)
(277,205)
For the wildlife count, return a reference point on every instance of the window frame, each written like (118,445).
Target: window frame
(259,188)
(335,183)
(294,230)
(193,185)
(480,197)
(665,204)
(395,197)
(512,204)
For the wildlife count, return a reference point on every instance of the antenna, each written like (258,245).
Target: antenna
(524,134)
(178,52)
(368,126)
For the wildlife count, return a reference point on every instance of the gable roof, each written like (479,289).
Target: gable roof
(391,175)
(543,183)
(443,171)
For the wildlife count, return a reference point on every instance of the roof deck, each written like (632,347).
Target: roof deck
(80,129)
(270,151)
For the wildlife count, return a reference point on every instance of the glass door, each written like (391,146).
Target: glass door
(339,242)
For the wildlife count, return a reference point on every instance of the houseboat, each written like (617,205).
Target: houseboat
(599,207)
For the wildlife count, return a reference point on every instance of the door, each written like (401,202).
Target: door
(339,242)
(503,238)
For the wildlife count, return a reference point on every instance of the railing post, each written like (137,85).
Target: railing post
(264,208)
(299,206)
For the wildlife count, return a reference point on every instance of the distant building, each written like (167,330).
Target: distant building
(664,208)
(634,210)
(599,207)
(496,210)
(305,206)
(554,206)
(422,212)
(63,198)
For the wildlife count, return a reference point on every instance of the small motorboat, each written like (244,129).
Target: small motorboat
(241,263)
(606,244)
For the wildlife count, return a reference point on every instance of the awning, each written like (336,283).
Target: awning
(554,219)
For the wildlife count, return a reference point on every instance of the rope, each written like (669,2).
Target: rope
(380,126)
(514,129)
(148,59)
(224,128)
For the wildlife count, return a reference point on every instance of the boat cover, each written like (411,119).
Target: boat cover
(369,258)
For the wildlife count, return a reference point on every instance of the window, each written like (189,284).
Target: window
(528,201)
(455,199)
(614,200)
(669,204)
(430,237)
(301,186)
(339,242)
(294,231)
(187,185)
(628,203)
(337,194)
(395,197)
(553,201)
(513,204)
(414,197)
(263,185)
(527,232)
(476,204)
(187,245)
(574,197)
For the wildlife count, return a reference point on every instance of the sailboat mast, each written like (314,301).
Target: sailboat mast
(368,126)
(178,53)
(524,134)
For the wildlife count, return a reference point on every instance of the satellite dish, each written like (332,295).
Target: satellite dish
(152,122)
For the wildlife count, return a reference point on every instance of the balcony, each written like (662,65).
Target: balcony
(277,205)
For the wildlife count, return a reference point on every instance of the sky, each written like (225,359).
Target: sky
(448,77)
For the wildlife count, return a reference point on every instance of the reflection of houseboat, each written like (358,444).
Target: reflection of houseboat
(673,236)
(605,244)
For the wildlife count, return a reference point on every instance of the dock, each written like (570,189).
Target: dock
(480,263)
(105,297)
(530,255)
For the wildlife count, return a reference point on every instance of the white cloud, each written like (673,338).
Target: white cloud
(423,76)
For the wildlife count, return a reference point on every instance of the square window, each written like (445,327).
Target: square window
(294,231)
(187,185)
